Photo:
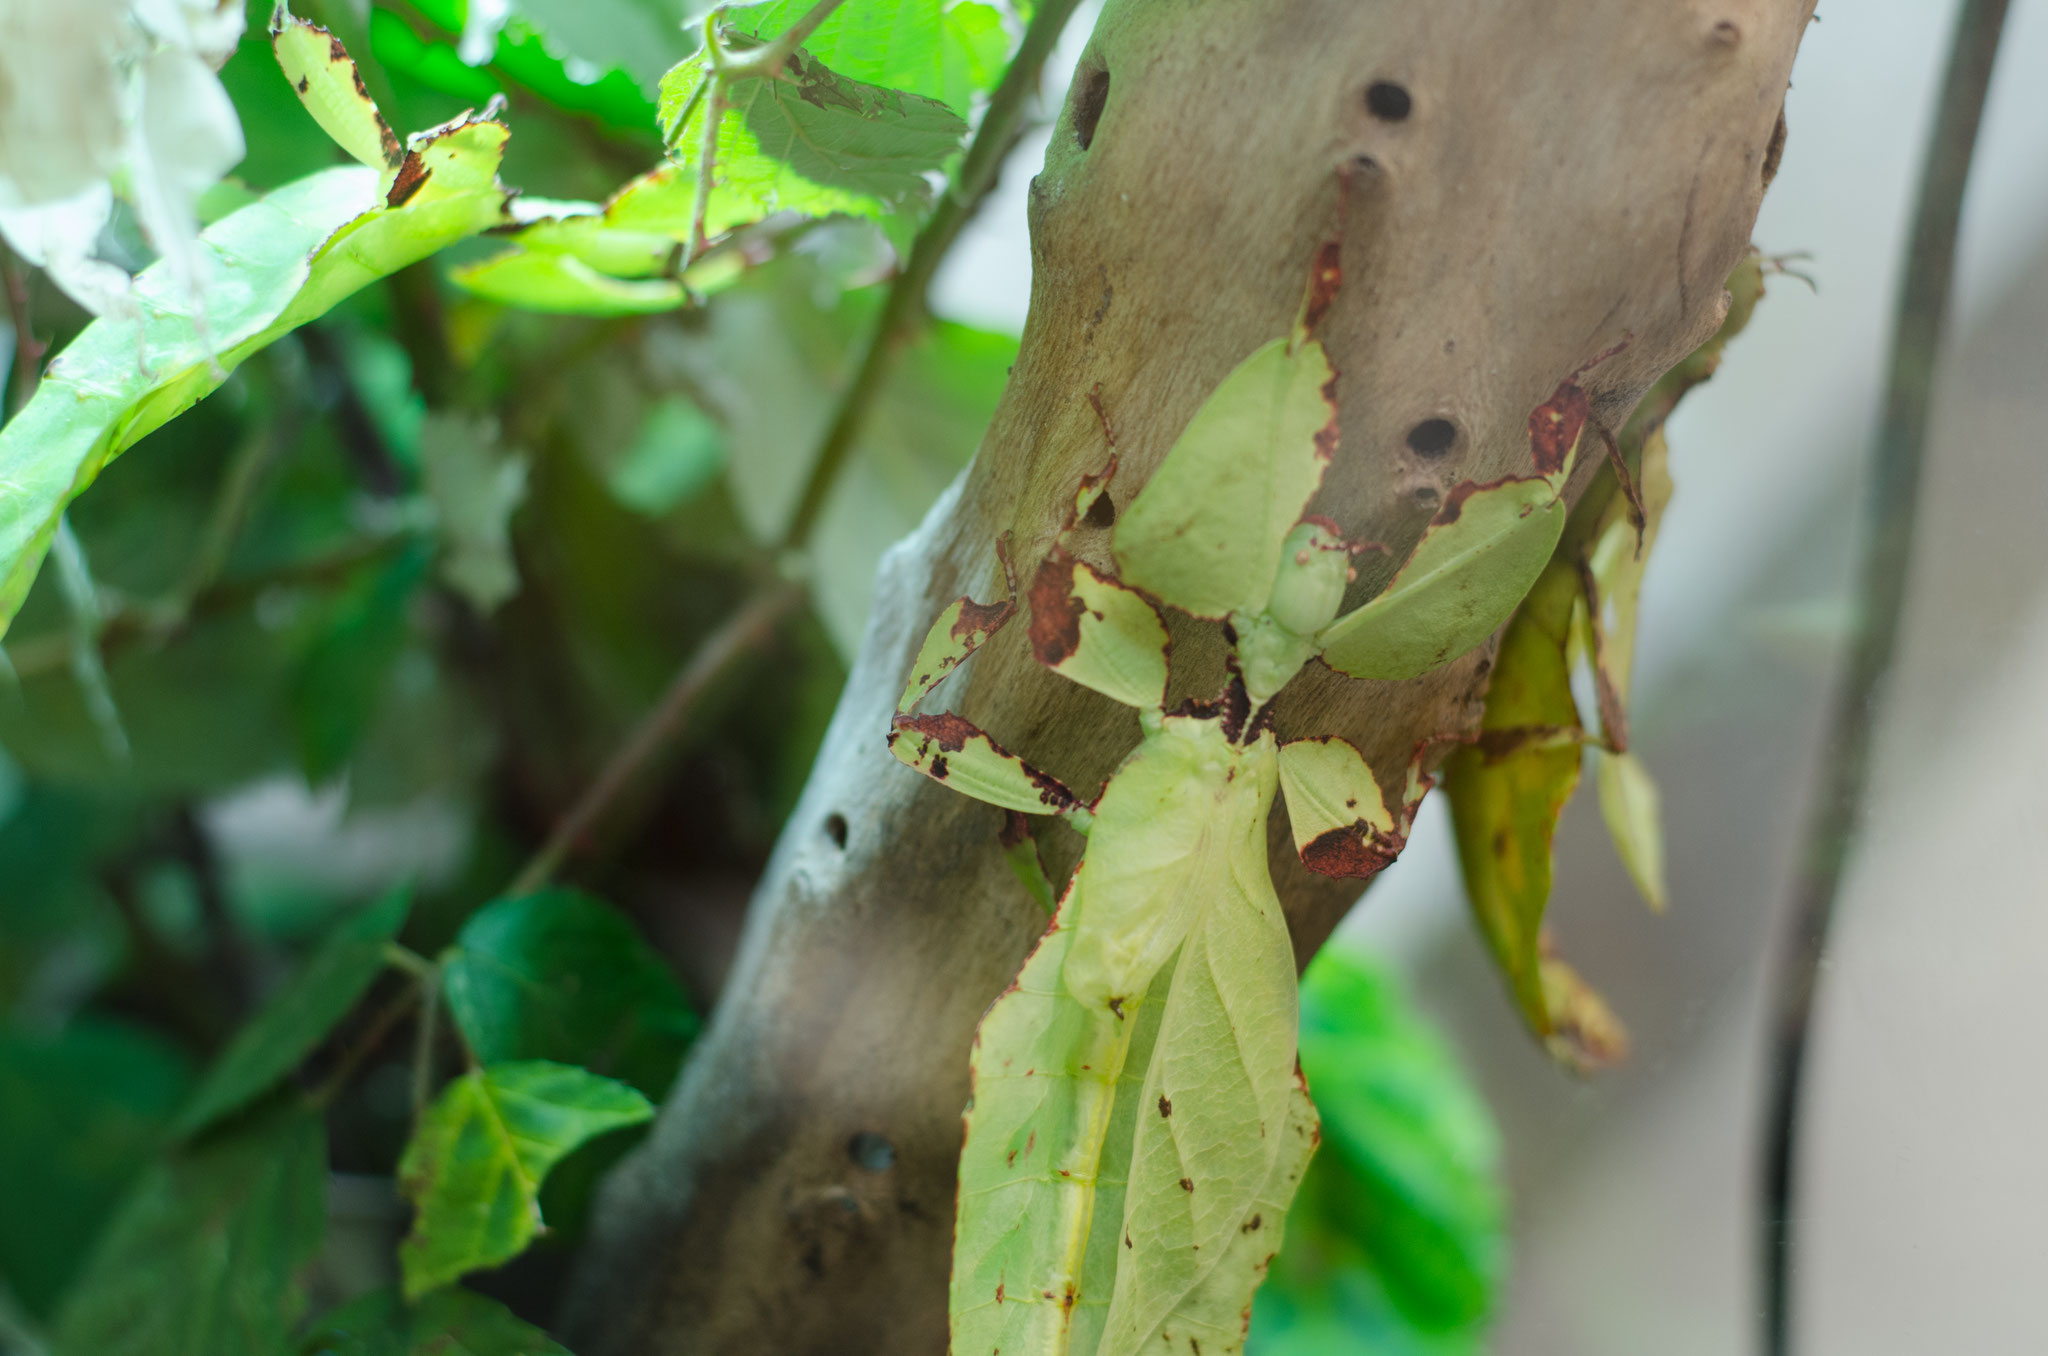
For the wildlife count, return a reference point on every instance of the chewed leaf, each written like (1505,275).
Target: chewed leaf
(1218,1098)
(1206,532)
(1505,804)
(1630,805)
(1097,632)
(1475,562)
(948,749)
(1341,823)
(958,633)
(332,90)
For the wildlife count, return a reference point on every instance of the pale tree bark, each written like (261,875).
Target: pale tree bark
(1563,177)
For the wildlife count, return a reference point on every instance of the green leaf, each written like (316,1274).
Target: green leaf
(475,484)
(446,1323)
(1629,804)
(300,1016)
(1206,532)
(339,682)
(560,283)
(952,750)
(564,977)
(274,266)
(814,142)
(1475,562)
(945,52)
(205,1257)
(475,1164)
(125,375)
(1089,628)
(85,1112)
(1336,810)
(1397,1243)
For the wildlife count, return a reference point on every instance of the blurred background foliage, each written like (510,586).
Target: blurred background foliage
(370,618)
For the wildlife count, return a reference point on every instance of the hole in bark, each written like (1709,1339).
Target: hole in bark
(835,829)
(1388,101)
(1426,496)
(871,1152)
(1101,513)
(1432,437)
(1088,105)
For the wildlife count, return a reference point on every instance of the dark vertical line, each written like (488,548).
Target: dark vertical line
(1894,493)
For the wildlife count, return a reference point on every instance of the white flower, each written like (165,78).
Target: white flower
(97,95)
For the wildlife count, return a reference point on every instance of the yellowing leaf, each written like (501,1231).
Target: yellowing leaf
(1206,532)
(1475,562)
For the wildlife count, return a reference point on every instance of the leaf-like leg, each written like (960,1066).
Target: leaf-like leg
(958,633)
(953,750)
(1089,628)
(1022,851)
(1342,826)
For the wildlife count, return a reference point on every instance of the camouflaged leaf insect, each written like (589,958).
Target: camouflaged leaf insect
(329,85)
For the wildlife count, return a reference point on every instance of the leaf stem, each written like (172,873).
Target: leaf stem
(745,631)
(904,308)
(424,1033)
(374,1032)
(1894,497)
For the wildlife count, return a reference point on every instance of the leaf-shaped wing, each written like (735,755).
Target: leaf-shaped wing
(1090,628)
(1205,533)
(1475,562)
(1214,1115)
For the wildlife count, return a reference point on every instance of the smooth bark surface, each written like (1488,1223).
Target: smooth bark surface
(1567,177)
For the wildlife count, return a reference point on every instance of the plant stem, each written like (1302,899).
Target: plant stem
(904,307)
(423,1041)
(28,350)
(1894,493)
(743,632)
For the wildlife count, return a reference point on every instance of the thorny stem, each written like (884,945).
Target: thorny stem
(904,306)
(1894,489)
(745,631)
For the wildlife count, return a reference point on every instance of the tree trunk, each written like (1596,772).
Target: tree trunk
(1530,185)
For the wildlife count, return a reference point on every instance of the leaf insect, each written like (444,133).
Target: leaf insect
(1139,1122)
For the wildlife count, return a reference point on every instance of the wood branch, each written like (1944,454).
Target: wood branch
(1559,179)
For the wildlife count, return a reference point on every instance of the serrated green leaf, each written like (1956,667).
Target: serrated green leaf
(446,1323)
(474,1166)
(1206,532)
(85,1112)
(947,52)
(205,1256)
(561,976)
(814,142)
(1630,805)
(1397,1242)
(1475,562)
(276,1040)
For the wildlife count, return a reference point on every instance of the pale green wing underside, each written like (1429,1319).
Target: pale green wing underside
(1473,565)
(1205,533)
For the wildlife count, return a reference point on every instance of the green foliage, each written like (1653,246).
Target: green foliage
(941,51)
(445,1323)
(205,1256)
(560,976)
(85,1110)
(305,1010)
(1396,1245)
(474,1168)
